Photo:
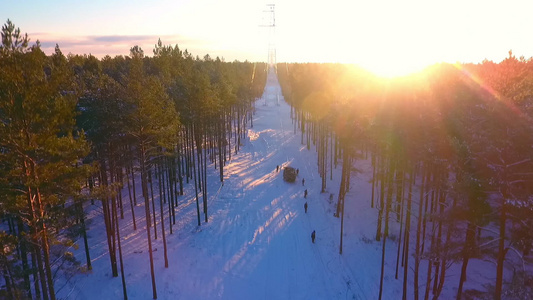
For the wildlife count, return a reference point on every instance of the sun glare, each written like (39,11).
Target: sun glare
(391,69)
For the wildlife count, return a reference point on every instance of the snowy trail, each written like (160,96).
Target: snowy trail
(268,252)
(260,236)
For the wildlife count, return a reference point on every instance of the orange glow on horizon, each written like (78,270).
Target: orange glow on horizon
(394,69)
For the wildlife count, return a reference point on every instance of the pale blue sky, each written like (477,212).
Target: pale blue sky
(380,35)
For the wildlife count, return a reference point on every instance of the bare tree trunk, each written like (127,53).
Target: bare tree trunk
(418,233)
(170,186)
(342,190)
(502,251)
(107,220)
(196,187)
(123,277)
(46,247)
(221,140)
(133,185)
(153,202)
(161,213)
(374,162)
(331,156)
(387,209)
(35,273)
(407,231)
(147,214)
(390,188)
(381,197)
(84,234)
(443,262)
(470,234)
(23,255)
(132,206)
(399,235)
(204,194)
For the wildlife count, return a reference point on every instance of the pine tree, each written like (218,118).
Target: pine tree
(38,138)
(152,123)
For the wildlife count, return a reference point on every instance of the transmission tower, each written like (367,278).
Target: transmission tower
(272,90)
(271,23)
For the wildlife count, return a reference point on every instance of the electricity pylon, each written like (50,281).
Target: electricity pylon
(271,23)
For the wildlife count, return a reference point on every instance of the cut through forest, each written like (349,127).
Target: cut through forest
(162,176)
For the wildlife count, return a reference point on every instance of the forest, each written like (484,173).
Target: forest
(451,151)
(75,130)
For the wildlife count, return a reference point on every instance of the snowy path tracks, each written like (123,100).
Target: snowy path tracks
(261,238)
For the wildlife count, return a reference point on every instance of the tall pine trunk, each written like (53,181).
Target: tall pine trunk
(407,233)
(342,190)
(142,152)
(418,233)
(117,231)
(467,249)
(84,234)
(502,251)
(107,220)
(132,206)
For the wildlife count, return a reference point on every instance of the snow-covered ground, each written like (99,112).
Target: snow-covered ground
(257,243)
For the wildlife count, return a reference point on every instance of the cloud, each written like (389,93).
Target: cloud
(122,38)
(112,45)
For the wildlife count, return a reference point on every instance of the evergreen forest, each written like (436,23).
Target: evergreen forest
(75,130)
(451,150)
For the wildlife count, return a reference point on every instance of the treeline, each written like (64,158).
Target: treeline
(451,150)
(78,130)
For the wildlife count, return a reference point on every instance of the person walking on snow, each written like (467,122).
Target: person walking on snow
(305,193)
(303,181)
(297,171)
(305,207)
(277,168)
(313,236)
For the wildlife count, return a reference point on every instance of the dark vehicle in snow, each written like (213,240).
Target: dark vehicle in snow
(289,174)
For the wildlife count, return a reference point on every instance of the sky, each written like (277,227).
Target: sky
(381,35)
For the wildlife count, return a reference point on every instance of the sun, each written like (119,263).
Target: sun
(394,68)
